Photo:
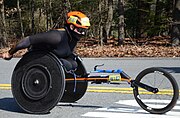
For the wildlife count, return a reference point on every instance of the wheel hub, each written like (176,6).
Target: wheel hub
(36,82)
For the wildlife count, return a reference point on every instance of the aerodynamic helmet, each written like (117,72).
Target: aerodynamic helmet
(78,19)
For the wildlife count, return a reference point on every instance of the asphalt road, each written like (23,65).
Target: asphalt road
(94,104)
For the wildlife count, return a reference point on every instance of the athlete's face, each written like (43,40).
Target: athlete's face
(80,31)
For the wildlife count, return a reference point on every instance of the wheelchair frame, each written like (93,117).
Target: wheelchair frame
(39,82)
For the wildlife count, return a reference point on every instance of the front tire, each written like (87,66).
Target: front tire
(165,99)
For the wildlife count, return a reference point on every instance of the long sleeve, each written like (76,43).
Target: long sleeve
(22,44)
(51,37)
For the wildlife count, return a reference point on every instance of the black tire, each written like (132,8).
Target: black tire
(165,99)
(72,93)
(38,82)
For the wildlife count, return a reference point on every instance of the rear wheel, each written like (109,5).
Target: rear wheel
(166,97)
(38,82)
(75,90)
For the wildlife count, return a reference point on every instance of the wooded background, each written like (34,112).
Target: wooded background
(109,18)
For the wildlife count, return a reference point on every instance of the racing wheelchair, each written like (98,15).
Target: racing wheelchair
(40,80)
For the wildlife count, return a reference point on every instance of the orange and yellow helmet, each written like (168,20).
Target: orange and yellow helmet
(78,19)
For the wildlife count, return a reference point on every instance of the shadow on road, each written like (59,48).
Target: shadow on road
(78,105)
(9,104)
(172,69)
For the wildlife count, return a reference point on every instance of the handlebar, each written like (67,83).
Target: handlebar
(108,71)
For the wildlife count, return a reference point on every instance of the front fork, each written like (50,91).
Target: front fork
(134,84)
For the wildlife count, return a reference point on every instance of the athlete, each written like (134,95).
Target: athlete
(60,41)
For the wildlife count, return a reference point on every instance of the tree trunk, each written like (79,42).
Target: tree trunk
(100,23)
(20,18)
(47,14)
(142,25)
(50,13)
(3,39)
(121,33)
(176,24)
(176,11)
(157,15)
(109,20)
(48,7)
(39,19)
(32,17)
(67,8)
(138,27)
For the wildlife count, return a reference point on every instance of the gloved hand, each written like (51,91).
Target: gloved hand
(7,56)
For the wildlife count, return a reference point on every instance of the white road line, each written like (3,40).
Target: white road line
(127,115)
(132,111)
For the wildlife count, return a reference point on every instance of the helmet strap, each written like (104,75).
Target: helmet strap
(72,33)
(72,27)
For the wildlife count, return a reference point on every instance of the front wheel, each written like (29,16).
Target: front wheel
(166,97)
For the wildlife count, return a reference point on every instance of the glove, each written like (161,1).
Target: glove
(7,56)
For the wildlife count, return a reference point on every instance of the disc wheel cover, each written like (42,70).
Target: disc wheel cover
(38,82)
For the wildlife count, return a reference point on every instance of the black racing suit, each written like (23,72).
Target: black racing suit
(60,42)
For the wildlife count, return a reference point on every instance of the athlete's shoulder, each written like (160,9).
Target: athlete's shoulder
(61,29)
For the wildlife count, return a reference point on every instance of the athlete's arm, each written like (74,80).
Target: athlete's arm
(51,37)
(24,43)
